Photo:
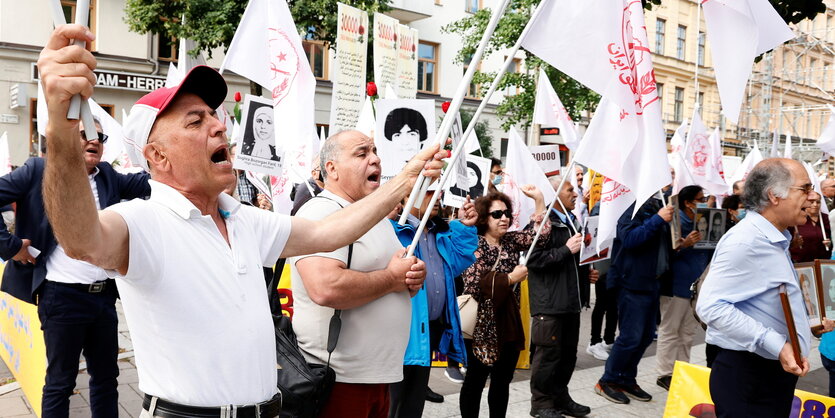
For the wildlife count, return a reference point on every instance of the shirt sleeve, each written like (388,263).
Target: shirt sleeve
(272,231)
(146,250)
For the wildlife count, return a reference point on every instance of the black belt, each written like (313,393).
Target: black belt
(97,287)
(166,409)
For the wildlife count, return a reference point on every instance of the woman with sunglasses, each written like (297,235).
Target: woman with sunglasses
(493,281)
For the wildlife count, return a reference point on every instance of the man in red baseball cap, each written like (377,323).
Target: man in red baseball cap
(188,260)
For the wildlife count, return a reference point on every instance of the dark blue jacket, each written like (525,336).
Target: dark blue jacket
(688,264)
(636,247)
(23,186)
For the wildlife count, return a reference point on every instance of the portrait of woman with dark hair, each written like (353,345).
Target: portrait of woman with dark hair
(474,188)
(259,133)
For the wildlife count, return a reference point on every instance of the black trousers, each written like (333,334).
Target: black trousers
(500,374)
(75,322)
(408,396)
(605,305)
(554,341)
(743,384)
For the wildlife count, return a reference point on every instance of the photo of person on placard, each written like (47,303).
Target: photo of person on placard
(406,129)
(828,276)
(474,187)
(717,226)
(807,287)
(259,133)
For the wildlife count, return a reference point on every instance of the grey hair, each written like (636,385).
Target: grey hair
(555,181)
(771,175)
(332,148)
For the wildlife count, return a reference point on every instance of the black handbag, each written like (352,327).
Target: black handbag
(305,387)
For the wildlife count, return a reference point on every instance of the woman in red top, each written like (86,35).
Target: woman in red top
(808,242)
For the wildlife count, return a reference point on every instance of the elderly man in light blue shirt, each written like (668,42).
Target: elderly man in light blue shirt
(755,371)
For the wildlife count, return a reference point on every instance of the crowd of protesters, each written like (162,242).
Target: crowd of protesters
(188,264)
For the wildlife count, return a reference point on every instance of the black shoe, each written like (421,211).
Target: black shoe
(573,409)
(635,392)
(611,392)
(545,413)
(664,382)
(432,396)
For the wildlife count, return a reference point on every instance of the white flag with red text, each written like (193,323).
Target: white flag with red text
(826,142)
(739,31)
(520,169)
(701,157)
(549,111)
(603,44)
(267,49)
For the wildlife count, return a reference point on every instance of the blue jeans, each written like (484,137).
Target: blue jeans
(75,321)
(637,312)
(829,365)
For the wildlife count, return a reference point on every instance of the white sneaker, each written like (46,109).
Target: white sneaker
(598,351)
(608,347)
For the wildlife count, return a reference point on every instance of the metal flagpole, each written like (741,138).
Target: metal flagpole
(548,212)
(421,185)
(460,148)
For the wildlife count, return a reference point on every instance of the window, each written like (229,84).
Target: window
(68,6)
(701,100)
(660,88)
(169,49)
(427,67)
(701,48)
(810,73)
(515,67)
(474,91)
(660,28)
(681,42)
(317,56)
(678,109)
(825,79)
(472,6)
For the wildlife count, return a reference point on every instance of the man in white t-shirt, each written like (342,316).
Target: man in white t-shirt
(188,261)
(370,291)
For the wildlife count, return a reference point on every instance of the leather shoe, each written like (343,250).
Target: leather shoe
(546,413)
(611,392)
(573,409)
(433,396)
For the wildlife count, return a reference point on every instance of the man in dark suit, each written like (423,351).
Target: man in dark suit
(76,300)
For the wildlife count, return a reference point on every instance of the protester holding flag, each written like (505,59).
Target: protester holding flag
(678,326)
(498,337)
(640,256)
(808,240)
(559,289)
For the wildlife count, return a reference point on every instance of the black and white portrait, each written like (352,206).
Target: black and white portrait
(404,126)
(478,173)
(258,150)
(717,225)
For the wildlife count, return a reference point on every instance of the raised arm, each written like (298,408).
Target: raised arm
(349,224)
(67,70)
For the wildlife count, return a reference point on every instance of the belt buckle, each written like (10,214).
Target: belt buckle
(96,287)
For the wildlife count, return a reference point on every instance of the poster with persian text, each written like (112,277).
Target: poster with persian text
(407,62)
(385,51)
(349,67)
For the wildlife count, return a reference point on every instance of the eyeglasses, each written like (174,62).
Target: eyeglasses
(806,188)
(102,138)
(497,214)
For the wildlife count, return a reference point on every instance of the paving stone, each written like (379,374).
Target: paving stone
(13,406)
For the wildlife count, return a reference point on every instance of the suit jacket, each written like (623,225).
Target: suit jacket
(24,186)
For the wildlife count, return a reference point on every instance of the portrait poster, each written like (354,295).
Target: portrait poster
(404,126)
(407,62)
(385,50)
(588,251)
(478,174)
(259,150)
(349,67)
(826,272)
(711,223)
(808,279)
(675,223)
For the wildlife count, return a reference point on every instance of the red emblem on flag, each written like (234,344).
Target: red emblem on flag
(284,63)
(628,55)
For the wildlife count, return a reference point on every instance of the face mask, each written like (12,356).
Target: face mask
(497,180)
(701,205)
(741,214)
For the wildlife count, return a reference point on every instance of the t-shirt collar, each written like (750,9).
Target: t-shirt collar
(179,204)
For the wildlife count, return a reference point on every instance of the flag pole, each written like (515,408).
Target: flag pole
(421,185)
(820,221)
(77,106)
(470,128)
(548,212)
(698,38)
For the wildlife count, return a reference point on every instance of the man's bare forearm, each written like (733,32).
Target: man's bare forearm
(341,288)
(68,198)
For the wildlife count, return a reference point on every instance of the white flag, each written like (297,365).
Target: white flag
(173,78)
(521,169)
(748,163)
(677,143)
(775,145)
(185,62)
(826,142)
(5,158)
(739,31)
(267,50)
(682,178)
(787,151)
(701,157)
(817,185)
(717,150)
(604,45)
(367,122)
(549,111)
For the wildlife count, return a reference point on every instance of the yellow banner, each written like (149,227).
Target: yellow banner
(22,347)
(690,396)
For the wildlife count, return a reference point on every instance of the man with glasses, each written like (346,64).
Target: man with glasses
(76,300)
(755,370)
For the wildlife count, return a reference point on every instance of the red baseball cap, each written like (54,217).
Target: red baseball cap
(202,80)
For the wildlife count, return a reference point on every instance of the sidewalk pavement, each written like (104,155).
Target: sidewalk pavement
(14,404)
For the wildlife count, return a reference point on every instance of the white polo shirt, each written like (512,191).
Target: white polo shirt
(197,309)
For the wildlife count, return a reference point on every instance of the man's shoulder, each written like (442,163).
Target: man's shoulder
(320,206)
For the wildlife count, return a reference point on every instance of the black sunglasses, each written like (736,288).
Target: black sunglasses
(102,138)
(497,214)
